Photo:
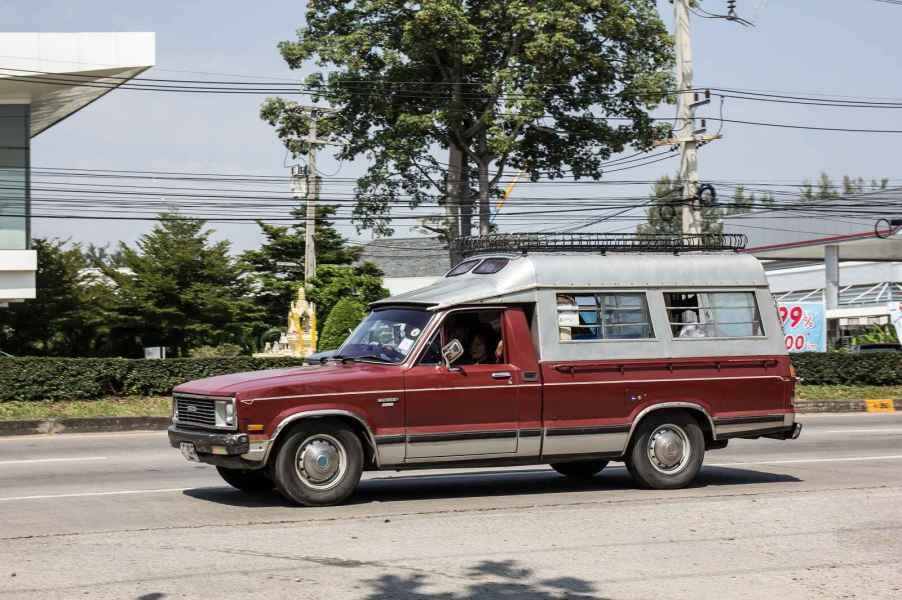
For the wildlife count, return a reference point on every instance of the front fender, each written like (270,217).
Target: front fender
(281,421)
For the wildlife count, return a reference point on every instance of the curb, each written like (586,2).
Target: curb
(83,425)
(844,406)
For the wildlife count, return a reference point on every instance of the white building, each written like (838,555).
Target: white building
(44,78)
(846,253)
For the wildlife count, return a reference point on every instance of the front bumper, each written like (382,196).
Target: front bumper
(232,450)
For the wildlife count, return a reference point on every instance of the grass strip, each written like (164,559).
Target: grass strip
(129,406)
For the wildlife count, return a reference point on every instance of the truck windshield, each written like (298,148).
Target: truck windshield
(386,335)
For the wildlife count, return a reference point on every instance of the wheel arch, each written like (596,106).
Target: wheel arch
(696,410)
(354,422)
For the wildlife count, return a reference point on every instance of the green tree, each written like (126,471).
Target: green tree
(826,189)
(665,213)
(742,203)
(276,269)
(332,283)
(181,290)
(60,320)
(342,319)
(860,186)
(502,86)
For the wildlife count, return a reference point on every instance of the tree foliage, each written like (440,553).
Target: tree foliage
(342,319)
(665,212)
(826,189)
(65,316)
(548,87)
(276,269)
(363,283)
(181,290)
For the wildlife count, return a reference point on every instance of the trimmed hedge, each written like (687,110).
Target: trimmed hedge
(36,379)
(839,368)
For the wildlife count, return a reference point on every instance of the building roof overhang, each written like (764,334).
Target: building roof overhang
(878,245)
(58,74)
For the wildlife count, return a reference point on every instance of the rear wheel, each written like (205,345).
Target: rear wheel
(319,464)
(580,469)
(247,480)
(667,451)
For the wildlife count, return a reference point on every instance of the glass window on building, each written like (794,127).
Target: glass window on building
(14,148)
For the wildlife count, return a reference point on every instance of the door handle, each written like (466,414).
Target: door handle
(501,375)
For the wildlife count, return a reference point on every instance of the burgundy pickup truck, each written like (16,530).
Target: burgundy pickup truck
(572,360)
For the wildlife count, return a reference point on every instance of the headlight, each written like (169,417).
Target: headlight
(225,413)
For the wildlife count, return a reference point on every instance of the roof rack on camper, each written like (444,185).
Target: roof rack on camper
(599,242)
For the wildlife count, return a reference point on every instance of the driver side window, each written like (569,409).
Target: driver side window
(480,333)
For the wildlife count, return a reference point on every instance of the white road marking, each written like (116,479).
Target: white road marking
(32,461)
(844,431)
(93,494)
(807,460)
(60,437)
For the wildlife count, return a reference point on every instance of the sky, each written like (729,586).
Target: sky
(836,47)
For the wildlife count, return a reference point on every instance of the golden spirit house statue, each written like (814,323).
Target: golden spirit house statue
(300,339)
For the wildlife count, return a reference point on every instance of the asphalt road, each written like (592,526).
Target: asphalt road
(124,516)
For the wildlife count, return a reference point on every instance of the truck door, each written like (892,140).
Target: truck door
(470,409)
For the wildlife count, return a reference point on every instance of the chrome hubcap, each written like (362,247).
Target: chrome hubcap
(321,461)
(668,449)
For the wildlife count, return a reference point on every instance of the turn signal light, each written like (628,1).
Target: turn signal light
(255,427)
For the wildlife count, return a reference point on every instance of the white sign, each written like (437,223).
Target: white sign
(568,319)
(895,317)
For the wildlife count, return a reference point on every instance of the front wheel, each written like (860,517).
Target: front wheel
(667,451)
(319,464)
(580,469)
(250,481)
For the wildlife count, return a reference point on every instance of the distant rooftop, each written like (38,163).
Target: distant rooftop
(408,257)
(860,224)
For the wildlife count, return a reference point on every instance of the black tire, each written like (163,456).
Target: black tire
(251,481)
(319,437)
(580,469)
(679,429)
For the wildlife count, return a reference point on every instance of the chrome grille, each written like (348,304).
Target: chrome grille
(195,411)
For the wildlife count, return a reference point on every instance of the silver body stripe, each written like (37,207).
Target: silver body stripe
(662,380)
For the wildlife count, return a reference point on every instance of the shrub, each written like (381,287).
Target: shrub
(36,379)
(220,351)
(840,368)
(343,318)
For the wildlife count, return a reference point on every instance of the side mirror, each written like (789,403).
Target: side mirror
(452,351)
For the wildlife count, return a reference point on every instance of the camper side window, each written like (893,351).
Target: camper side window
(713,314)
(604,316)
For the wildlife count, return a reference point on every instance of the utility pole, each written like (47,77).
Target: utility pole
(692,222)
(306,183)
(312,199)
(686,134)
